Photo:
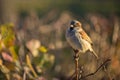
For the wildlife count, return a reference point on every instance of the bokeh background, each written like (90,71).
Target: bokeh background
(33,44)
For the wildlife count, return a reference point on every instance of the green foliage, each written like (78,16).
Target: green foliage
(7,34)
(10,56)
(14,52)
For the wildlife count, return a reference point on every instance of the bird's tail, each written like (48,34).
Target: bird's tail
(94,53)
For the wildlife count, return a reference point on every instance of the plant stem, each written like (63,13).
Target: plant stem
(76,58)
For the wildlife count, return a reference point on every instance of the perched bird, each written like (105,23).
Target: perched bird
(78,39)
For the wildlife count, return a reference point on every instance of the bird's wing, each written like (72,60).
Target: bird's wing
(86,37)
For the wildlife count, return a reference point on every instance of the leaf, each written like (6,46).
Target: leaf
(7,34)
(1,62)
(7,57)
(4,69)
(30,65)
(2,45)
(14,51)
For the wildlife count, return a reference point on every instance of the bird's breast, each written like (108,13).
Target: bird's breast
(73,40)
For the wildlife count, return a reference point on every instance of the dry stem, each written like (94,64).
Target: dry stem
(76,58)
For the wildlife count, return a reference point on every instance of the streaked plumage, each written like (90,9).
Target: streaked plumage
(78,39)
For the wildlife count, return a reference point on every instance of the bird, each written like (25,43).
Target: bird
(78,39)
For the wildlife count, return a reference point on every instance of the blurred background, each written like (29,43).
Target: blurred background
(33,44)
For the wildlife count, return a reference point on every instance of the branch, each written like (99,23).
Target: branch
(96,70)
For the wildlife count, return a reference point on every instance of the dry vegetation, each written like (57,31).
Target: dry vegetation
(34,47)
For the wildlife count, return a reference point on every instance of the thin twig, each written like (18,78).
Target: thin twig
(76,69)
(24,75)
(96,70)
(76,58)
(30,66)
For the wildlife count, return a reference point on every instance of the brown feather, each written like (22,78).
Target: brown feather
(85,37)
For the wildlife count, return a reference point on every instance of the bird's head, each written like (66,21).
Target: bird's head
(75,25)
